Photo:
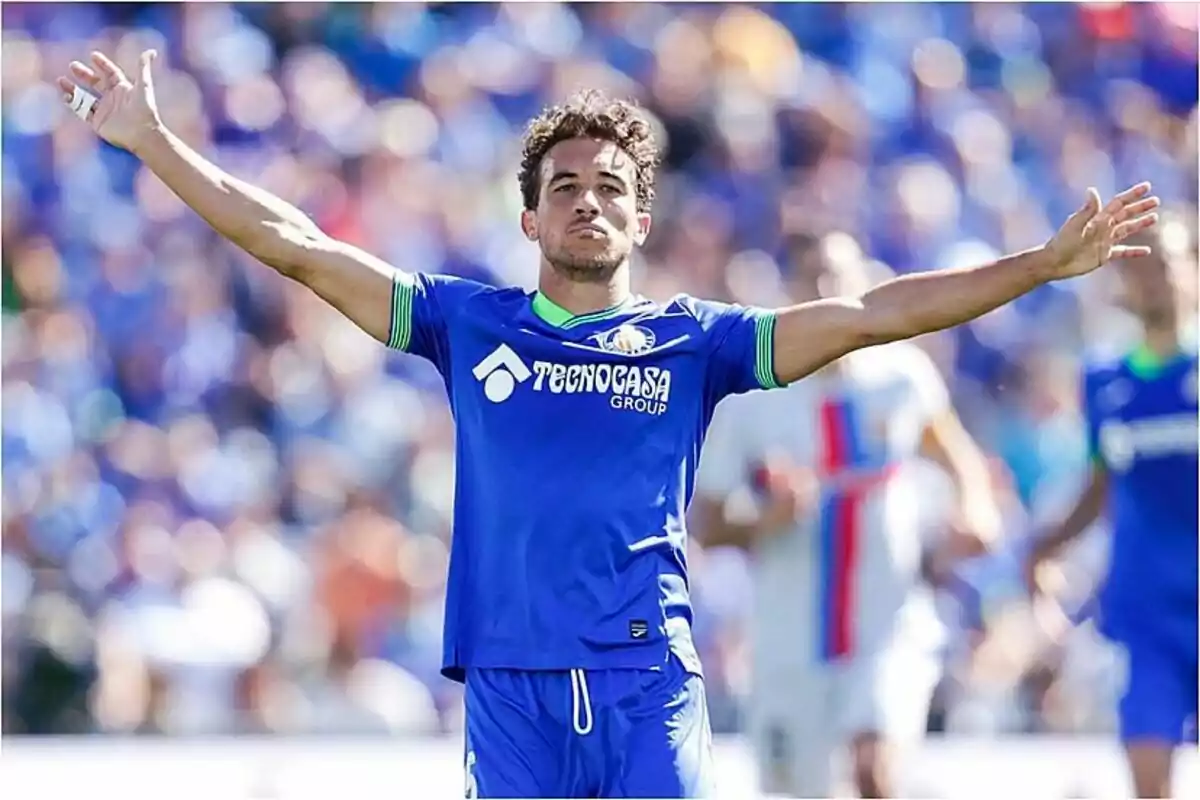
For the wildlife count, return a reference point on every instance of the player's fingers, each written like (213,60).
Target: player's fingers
(1137,209)
(85,75)
(147,58)
(791,502)
(1129,195)
(805,487)
(110,74)
(1129,227)
(67,87)
(1125,198)
(1086,213)
(82,101)
(1126,251)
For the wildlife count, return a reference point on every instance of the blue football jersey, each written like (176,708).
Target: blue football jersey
(577,443)
(1142,426)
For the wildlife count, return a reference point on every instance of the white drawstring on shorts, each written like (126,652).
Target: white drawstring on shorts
(579,689)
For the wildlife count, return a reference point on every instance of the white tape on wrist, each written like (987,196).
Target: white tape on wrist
(82,102)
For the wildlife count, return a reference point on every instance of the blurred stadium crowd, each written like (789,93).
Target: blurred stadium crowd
(226,510)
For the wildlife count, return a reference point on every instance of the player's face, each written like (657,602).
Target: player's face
(1150,291)
(587,221)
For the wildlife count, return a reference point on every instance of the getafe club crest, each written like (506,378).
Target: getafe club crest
(627,340)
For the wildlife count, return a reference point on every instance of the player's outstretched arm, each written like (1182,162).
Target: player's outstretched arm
(123,111)
(809,335)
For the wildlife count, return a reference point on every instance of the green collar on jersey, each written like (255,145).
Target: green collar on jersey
(559,317)
(1146,364)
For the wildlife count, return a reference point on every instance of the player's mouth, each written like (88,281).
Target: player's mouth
(588,230)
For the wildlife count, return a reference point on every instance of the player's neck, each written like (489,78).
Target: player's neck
(1162,342)
(579,297)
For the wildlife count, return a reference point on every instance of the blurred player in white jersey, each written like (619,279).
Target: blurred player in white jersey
(845,633)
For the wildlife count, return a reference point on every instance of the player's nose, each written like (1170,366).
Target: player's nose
(587,205)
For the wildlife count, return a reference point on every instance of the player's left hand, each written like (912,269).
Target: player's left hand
(964,542)
(1092,236)
(970,533)
(975,529)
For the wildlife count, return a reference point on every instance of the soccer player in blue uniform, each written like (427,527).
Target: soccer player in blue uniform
(1142,431)
(580,411)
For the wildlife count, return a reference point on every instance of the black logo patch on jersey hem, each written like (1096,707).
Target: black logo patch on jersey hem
(638,628)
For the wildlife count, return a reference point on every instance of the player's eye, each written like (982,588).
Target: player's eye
(610,189)
(564,187)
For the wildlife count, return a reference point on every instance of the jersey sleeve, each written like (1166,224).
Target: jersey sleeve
(740,345)
(424,308)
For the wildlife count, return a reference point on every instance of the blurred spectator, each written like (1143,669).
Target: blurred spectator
(225,509)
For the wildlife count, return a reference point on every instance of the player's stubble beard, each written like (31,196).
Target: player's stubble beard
(591,268)
(1160,311)
(1157,318)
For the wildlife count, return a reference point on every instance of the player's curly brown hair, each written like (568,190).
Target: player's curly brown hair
(590,114)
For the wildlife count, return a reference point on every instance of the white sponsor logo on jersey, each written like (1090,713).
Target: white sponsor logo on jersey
(628,386)
(501,372)
(1169,434)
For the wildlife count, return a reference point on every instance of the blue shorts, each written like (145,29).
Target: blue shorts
(1160,699)
(587,733)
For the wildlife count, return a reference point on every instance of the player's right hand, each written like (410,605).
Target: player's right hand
(126,111)
(786,493)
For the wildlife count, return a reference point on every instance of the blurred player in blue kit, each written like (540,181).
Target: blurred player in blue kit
(1142,432)
(580,410)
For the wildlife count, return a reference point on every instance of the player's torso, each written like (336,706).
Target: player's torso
(1147,435)
(860,430)
(594,412)
(573,448)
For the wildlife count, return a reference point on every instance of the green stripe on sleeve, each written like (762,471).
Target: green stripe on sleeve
(764,351)
(400,332)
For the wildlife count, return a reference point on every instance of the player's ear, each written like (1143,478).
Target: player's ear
(643,230)
(529,225)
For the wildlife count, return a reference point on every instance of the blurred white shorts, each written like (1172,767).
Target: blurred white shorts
(803,722)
